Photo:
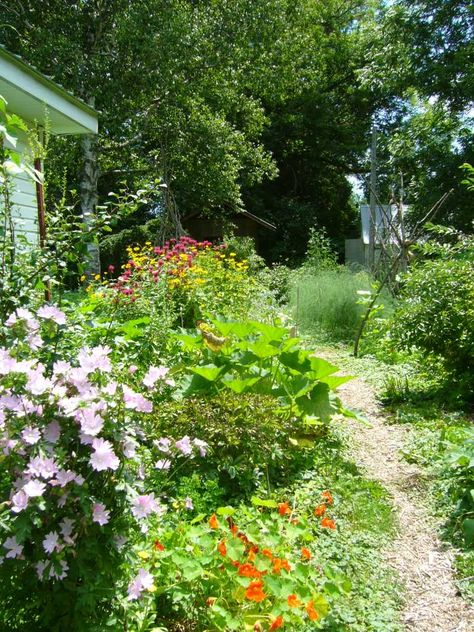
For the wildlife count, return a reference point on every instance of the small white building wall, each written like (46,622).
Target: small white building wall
(23,198)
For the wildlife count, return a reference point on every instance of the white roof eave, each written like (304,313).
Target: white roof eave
(38,99)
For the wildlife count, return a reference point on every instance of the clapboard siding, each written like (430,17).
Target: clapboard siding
(24,202)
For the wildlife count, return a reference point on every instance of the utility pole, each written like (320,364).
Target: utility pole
(373,197)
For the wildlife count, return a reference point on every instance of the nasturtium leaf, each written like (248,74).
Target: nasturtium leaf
(225,511)
(263,502)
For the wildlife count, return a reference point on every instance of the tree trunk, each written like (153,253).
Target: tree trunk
(89,199)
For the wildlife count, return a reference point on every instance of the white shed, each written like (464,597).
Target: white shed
(39,102)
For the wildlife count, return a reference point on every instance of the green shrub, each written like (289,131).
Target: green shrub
(436,314)
(248,441)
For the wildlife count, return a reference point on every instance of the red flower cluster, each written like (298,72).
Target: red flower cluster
(171,260)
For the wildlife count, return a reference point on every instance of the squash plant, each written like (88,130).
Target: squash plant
(253,357)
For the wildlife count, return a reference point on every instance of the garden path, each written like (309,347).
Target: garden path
(422,561)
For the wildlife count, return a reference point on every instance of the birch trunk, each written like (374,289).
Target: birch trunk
(89,199)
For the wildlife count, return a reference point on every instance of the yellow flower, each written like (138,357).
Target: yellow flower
(83,278)
(97,277)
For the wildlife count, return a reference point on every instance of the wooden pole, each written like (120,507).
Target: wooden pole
(373,194)
(41,212)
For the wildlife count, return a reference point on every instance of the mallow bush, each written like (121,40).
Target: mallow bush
(74,473)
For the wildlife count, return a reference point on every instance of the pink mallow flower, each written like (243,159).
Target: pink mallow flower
(51,312)
(135,401)
(19,501)
(100,514)
(143,581)
(184,446)
(51,541)
(91,424)
(163,464)
(52,432)
(103,457)
(201,446)
(95,359)
(14,548)
(31,435)
(143,506)
(154,374)
(34,489)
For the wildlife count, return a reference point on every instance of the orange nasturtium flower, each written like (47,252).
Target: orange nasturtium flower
(248,570)
(279,563)
(293,601)
(254,592)
(305,553)
(277,623)
(158,546)
(328,523)
(327,496)
(213,522)
(221,547)
(284,509)
(312,614)
(267,553)
(320,511)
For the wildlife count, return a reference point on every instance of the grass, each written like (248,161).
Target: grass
(325,302)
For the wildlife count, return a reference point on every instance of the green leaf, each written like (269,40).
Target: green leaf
(321,368)
(209,372)
(225,511)
(269,332)
(239,386)
(262,502)
(468,530)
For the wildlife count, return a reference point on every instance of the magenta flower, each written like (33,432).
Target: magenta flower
(103,457)
(51,312)
(51,541)
(13,547)
(34,488)
(100,514)
(143,506)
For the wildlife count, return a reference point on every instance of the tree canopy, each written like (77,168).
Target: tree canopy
(262,104)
